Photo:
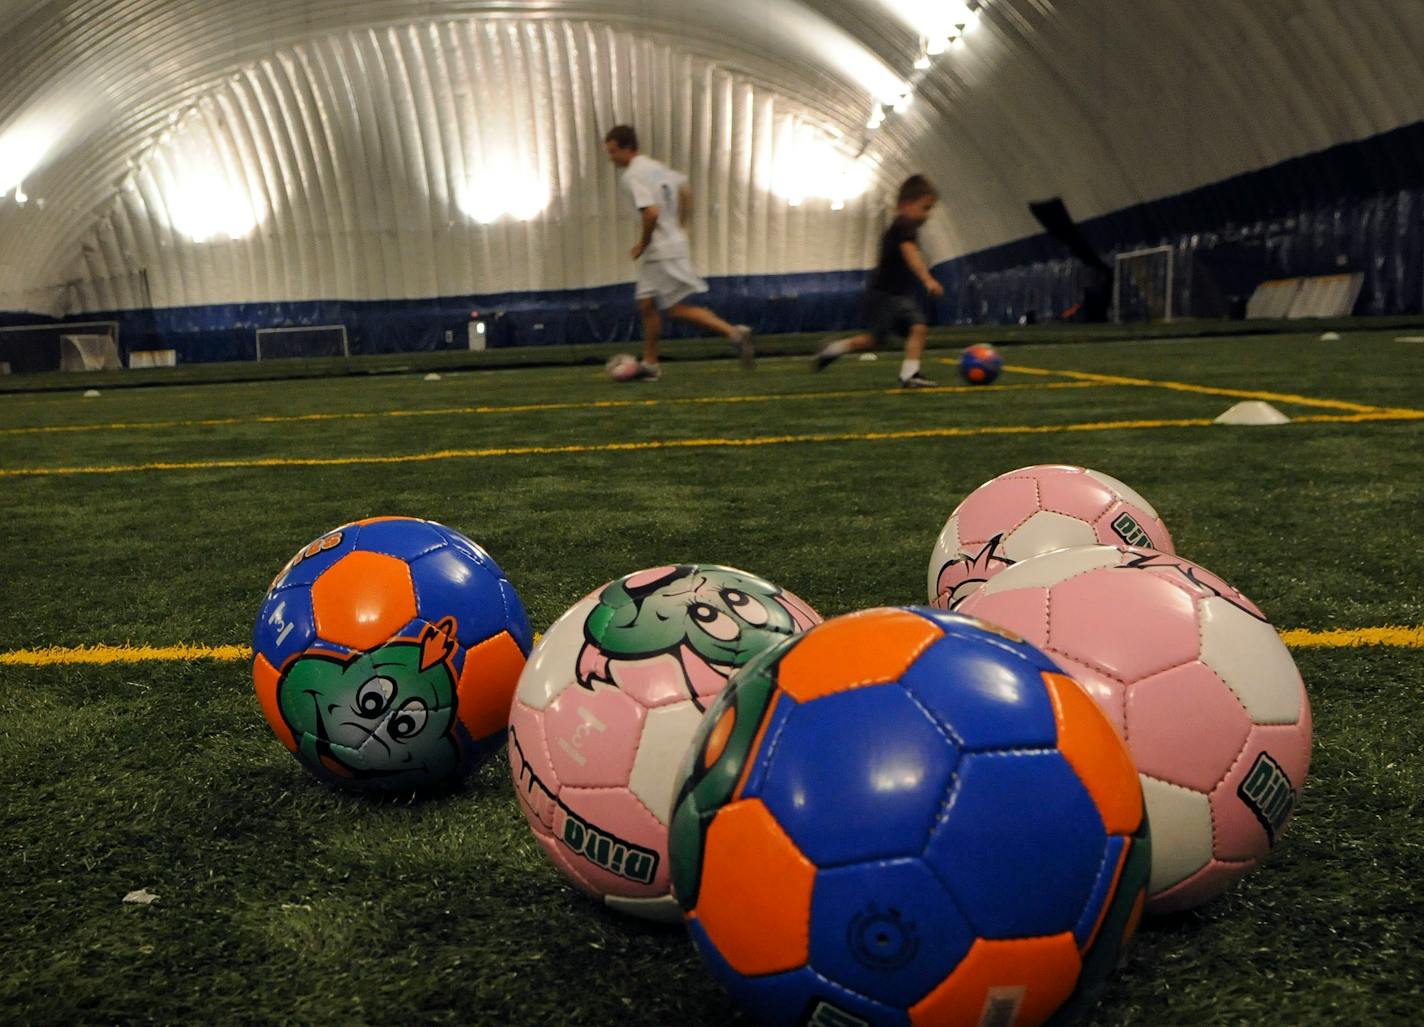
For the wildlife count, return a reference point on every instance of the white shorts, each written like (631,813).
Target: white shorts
(668,281)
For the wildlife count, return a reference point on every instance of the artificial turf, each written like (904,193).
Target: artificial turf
(280,900)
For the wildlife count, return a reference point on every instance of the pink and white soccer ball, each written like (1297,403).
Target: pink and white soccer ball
(1031,511)
(1198,683)
(622,367)
(607,706)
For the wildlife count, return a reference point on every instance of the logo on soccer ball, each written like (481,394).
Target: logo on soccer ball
(386,713)
(1131,532)
(1268,793)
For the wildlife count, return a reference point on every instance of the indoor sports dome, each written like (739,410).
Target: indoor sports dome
(195,177)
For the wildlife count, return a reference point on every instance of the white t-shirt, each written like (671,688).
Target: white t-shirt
(651,183)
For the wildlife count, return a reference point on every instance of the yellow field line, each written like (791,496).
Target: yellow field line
(669,444)
(1208,390)
(526,408)
(102,655)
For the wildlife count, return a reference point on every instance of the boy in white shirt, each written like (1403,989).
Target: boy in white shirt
(667,277)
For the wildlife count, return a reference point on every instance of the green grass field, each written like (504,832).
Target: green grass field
(158,516)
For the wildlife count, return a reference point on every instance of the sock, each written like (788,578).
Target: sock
(838,348)
(909,368)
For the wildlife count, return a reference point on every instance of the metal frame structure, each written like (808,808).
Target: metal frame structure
(1117,278)
(345,343)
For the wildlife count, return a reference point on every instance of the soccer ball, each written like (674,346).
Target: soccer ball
(1198,682)
(622,367)
(607,705)
(1035,510)
(386,653)
(980,364)
(908,813)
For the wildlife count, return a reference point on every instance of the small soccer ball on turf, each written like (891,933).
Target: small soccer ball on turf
(622,367)
(607,705)
(980,364)
(1036,510)
(908,817)
(386,653)
(1192,674)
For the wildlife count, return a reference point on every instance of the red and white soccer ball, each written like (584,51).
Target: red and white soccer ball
(1198,683)
(1036,510)
(622,367)
(607,706)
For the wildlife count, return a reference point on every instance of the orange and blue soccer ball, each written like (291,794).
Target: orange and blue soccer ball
(908,817)
(980,364)
(386,654)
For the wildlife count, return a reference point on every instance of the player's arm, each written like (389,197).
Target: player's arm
(916,263)
(650,222)
(684,205)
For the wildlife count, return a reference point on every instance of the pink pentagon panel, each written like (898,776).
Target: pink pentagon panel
(997,507)
(1185,726)
(1202,886)
(653,682)
(1023,610)
(1253,805)
(624,847)
(593,735)
(1067,490)
(1126,625)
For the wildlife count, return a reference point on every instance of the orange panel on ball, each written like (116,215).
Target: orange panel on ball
(363,599)
(1021,981)
(487,683)
(755,897)
(860,649)
(265,678)
(1097,755)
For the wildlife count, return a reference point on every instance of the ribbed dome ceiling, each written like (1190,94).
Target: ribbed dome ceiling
(236,149)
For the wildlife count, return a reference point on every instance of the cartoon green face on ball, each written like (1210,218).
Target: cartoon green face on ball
(725,616)
(380,719)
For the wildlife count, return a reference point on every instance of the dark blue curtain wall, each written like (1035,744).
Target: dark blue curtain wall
(1357,207)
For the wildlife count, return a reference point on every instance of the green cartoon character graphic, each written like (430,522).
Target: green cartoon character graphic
(381,720)
(707,620)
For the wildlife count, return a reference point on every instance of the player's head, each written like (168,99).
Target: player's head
(917,198)
(621,142)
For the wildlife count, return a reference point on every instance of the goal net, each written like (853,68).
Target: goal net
(77,346)
(302,341)
(1142,285)
(88,353)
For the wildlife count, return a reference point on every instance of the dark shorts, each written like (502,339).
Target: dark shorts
(888,315)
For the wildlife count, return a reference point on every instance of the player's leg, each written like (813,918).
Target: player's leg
(652,337)
(910,376)
(739,335)
(833,351)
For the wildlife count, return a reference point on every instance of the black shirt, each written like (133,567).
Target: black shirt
(892,275)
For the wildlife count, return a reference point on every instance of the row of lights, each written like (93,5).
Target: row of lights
(930,48)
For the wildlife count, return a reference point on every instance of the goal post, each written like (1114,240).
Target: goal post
(1142,285)
(40,347)
(302,341)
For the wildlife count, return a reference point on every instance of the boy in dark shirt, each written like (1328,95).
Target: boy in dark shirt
(892,306)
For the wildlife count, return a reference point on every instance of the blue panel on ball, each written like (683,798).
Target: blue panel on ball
(1102,892)
(987,695)
(285,625)
(449,584)
(886,930)
(518,620)
(308,568)
(770,741)
(1020,844)
(467,545)
(795,998)
(858,775)
(971,627)
(403,538)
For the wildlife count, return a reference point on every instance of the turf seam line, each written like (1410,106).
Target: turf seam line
(1387,636)
(673,444)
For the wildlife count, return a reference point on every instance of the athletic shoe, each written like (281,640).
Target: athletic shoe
(823,360)
(916,381)
(746,351)
(648,372)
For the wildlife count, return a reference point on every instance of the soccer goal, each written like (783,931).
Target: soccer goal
(1142,285)
(68,346)
(302,341)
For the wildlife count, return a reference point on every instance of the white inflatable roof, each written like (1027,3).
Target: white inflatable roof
(175,152)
